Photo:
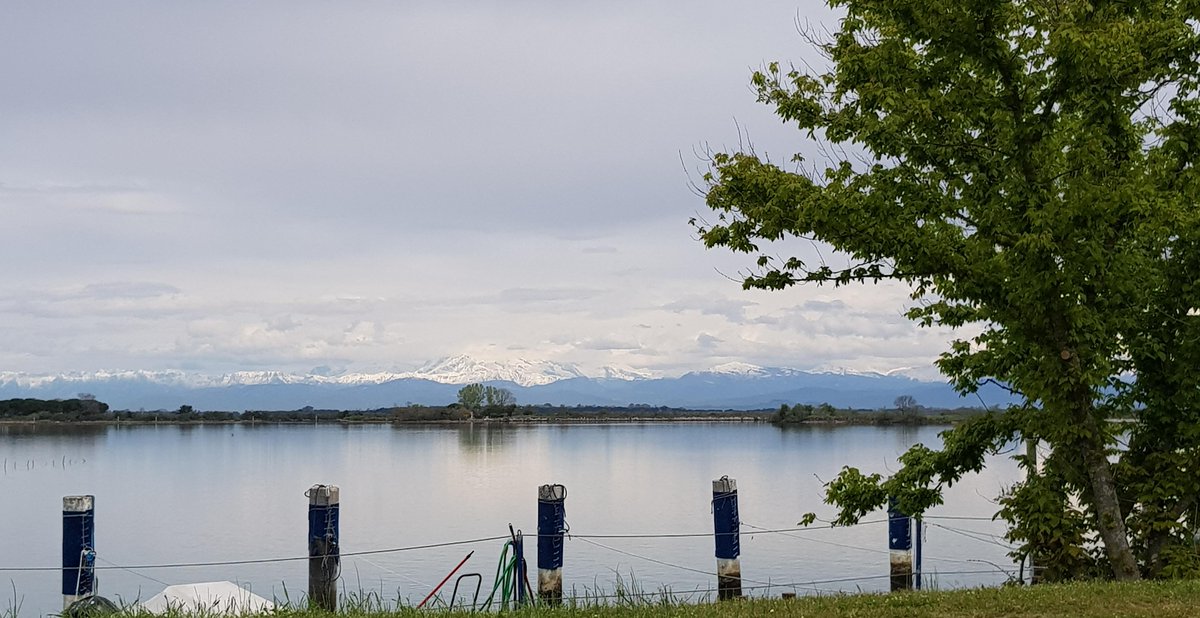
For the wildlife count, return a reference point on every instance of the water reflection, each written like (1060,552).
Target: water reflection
(485,437)
(905,436)
(19,430)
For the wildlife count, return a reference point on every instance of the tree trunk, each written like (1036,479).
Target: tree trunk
(1158,538)
(1105,505)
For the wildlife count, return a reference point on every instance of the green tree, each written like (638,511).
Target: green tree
(1027,167)
(471,397)
(906,405)
(496,397)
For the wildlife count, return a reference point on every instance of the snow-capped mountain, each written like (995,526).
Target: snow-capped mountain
(725,386)
(746,370)
(460,369)
(627,374)
(463,369)
(457,370)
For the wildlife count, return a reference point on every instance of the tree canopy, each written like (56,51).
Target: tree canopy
(471,396)
(1027,167)
(488,398)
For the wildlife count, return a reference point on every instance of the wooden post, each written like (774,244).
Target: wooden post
(78,548)
(551,526)
(324,555)
(726,531)
(900,547)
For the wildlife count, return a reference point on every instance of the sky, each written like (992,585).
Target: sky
(367,186)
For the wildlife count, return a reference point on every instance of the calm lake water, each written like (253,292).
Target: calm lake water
(185,494)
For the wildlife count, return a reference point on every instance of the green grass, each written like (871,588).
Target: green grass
(1096,599)
(1087,600)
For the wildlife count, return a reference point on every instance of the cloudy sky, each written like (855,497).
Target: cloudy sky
(217,186)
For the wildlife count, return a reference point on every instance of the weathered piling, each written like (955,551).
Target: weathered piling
(726,531)
(900,547)
(78,548)
(551,526)
(324,556)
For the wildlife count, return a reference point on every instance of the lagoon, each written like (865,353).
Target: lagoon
(172,494)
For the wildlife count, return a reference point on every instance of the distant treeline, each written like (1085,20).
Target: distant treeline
(907,412)
(53,410)
(86,409)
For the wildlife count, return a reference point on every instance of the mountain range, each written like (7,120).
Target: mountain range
(738,386)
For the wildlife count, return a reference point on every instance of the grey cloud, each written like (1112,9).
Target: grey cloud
(129,289)
(290,122)
(545,295)
(603,343)
(383,183)
(843,323)
(12,190)
(824,305)
(732,310)
(283,323)
(705,341)
(128,200)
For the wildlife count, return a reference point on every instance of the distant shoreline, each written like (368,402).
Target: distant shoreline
(90,412)
(514,421)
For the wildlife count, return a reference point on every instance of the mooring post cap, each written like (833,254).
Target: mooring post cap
(78,504)
(552,493)
(322,495)
(724,485)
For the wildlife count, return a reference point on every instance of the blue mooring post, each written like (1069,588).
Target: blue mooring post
(78,548)
(726,531)
(900,547)
(324,554)
(552,523)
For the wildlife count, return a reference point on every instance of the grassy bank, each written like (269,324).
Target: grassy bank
(1157,599)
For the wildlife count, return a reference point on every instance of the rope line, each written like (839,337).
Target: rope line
(648,559)
(582,537)
(669,564)
(396,573)
(143,575)
(823,542)
(977,536)
(761,584)
(181,565)
(709,534)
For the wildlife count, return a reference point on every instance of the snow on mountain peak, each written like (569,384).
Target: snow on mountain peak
(248,378)
(463,369)
(736,368)
(627,374)
(460,369)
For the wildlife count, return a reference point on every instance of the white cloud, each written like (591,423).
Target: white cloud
(292,185)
